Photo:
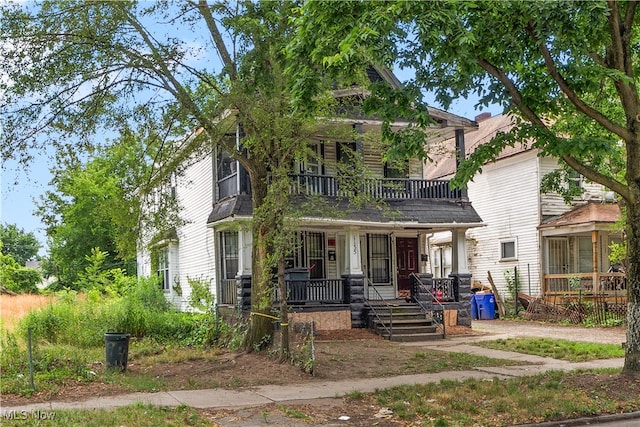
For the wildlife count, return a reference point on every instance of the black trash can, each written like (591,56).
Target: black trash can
(117,350)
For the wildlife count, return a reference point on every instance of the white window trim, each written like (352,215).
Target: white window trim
(515,249)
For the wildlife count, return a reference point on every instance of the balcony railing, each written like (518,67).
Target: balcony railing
(581,283)
(382,188)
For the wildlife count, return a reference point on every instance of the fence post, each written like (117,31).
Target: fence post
(515,290)
(33,387)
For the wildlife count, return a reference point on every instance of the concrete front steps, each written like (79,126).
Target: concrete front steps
(404,322)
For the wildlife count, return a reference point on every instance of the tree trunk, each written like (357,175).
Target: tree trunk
(261,328)
(632,352)
(284,313)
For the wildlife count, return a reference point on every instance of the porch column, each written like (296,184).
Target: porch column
(594,250)
(461,275)
(459,251)
(352,251)
(245,243)
(243,276)
(353,277)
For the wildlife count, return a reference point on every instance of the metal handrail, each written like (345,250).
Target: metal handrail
(390,328)
(426,310)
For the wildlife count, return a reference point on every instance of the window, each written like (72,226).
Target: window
(229,253)
(585,255)
(441,259)
(398,169)
(346,153)
(163,268)
(507,250)
(313,163)
(308,253)
(379,258)
(226,165)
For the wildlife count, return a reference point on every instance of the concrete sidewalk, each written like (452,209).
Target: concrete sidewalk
(237,398)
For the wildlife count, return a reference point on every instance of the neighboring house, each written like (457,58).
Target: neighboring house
(338,263)
(556,248)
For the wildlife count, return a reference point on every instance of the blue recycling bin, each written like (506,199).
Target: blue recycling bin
(486,306)
(474,308)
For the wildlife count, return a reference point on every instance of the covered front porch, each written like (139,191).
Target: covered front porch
(576,249)
(334,268)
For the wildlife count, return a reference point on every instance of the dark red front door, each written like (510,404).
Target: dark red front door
(407,253)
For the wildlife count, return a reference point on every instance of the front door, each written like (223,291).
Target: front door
(407,253)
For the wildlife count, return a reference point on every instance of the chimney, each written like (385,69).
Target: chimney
(483,116)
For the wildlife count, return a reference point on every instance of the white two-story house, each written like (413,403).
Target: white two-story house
(339,262)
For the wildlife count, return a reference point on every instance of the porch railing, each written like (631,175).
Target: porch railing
(383,188)
(319,291)
(596,283)
(228,292)
(444,289)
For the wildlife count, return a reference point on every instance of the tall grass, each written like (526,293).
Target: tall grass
(15,307)
(142,312)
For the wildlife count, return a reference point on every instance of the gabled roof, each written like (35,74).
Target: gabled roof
(590,214)
(444,161)
(445,123)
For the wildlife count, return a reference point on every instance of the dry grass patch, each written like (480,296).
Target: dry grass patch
(15,307)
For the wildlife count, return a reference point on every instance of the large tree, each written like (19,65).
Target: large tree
(566,69)
(94,204)
(74,68)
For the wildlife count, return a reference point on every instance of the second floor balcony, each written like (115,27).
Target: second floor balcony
(332,186)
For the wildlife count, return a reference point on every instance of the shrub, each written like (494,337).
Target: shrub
(17,278)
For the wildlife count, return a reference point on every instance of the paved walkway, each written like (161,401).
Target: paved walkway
(222,398)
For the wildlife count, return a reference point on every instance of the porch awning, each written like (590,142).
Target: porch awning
(592,216)
(421,213)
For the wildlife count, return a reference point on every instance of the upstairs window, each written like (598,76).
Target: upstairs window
(397,169)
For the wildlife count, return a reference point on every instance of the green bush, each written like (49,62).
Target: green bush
(17,278)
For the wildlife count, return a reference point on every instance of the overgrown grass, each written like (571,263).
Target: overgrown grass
(573,351)
(68,337)
(549,396)
(15,307)
(133,415)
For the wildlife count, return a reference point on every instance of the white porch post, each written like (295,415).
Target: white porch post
(352,251)
(459,251)
(245,240)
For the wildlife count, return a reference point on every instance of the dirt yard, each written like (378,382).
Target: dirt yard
(339,354)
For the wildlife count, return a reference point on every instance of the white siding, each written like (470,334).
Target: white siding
(552,204)
(196,248)
(506,195)
(192,256)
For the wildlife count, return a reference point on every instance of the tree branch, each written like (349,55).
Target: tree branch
(570,93)
(205,11)
(531,116)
